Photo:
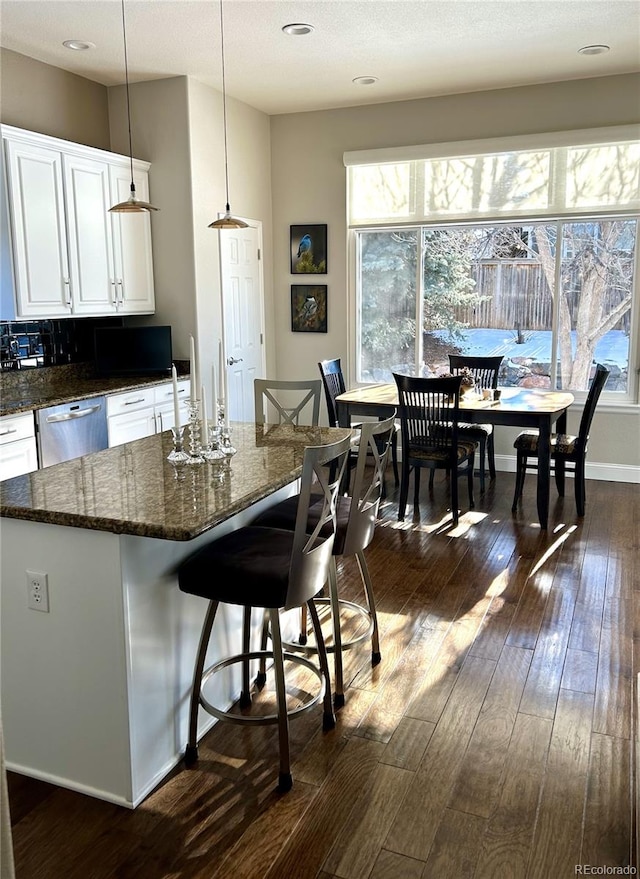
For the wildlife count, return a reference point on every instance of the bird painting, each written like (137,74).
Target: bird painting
(305,246)
(309,250)
(309,308)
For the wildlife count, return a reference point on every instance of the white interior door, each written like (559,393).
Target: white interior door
(243,317)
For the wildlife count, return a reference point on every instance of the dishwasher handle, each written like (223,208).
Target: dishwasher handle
(70,416)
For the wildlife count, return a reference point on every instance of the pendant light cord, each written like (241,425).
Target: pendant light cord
(126,76)
(224,108)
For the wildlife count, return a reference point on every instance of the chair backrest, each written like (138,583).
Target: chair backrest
(333,383)
(429,410)
(368,484)
(287,402)
(598,383)
(484,369)
(322,470)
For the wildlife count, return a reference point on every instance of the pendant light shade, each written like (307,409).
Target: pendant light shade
(132,205)
(228,221)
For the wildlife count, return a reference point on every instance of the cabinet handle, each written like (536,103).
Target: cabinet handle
(133,402)
(67,283)
(8,431)
(120,299)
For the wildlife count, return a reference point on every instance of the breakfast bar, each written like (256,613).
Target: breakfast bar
(95,689)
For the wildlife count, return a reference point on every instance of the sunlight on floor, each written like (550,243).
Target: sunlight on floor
(553,548)
(444,526)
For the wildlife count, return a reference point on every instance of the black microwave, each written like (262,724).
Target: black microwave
(132,351)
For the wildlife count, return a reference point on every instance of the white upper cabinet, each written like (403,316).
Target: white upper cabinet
(71,257)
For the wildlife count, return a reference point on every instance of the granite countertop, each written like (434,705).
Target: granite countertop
(133,489)
(68,385)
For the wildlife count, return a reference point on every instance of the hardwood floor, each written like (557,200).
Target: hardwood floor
(494,741)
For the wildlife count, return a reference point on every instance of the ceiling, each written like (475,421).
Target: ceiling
(416,48)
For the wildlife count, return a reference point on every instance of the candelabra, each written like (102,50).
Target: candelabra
(226,444)
(195,448)
(177,455)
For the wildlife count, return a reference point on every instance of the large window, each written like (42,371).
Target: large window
(528,253)
(552,298)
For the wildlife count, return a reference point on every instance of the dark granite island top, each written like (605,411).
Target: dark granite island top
(134,489)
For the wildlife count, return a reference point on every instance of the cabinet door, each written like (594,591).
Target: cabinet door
(37,215)
(17,458)
(132,245)
(131,426)
(91,260)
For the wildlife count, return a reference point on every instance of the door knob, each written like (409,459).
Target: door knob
(232,360)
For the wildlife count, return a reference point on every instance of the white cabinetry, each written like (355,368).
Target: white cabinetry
(71,257)
(136,414)
(18,453)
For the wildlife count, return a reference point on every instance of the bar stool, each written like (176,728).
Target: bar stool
(356,519)
(272,569)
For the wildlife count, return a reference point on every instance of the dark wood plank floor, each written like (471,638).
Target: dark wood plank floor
(495,739)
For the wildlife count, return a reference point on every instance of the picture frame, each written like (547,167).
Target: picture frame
(308,244)
(309,308)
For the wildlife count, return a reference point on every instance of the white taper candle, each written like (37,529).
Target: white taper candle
(205,426)
(221,370)
(214,394)
(176,402)
(193,370)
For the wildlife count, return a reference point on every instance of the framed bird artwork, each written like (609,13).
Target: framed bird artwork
(309,308)
(308,249)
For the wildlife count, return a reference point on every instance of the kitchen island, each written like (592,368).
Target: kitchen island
(95,691)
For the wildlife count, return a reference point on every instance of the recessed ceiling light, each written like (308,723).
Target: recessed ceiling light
(297,30)
(593,50)
(365,80)
(78,45)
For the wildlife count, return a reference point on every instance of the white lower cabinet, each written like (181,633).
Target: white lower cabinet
(136,414)
(18,452)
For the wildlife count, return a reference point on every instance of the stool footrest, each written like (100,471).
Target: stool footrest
(259,720)
(346,645)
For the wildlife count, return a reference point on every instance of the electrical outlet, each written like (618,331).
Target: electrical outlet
(37,591)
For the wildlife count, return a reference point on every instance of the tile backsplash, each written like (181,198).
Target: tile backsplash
(32,344)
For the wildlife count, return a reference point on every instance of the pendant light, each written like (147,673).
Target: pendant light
(132,204)
(226,222)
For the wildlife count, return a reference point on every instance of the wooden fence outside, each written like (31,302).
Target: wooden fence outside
(519,296)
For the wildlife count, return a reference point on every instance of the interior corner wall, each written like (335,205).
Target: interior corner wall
(309,186)
(160,135)
(42,98)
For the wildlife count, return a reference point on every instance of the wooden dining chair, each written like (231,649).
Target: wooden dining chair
(485,371)
(567,452)
(287,402)
(429,411)
(334,385)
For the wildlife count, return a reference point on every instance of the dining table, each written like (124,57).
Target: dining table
(516,407)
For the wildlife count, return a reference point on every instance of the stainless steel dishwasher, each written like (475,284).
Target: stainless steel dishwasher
(71,430)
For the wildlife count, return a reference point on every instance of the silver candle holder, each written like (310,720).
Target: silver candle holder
(211,450)
(195,444)
(178,455)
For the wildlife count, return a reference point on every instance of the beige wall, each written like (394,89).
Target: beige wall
(309,186)
(42,98)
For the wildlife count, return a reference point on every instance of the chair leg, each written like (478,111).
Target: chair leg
(368,588)
(559,472)
(521,470)
(491,456)
(338,696)
(580,487)
(303,626)
(245,693)
(470,469)
(483,446)
(404,490)
(416,487)
(285,781)
(432,473)
(328,718)
(454,495)
(394,456)
(191,752)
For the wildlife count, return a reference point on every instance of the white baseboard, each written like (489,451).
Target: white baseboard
(594,470)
